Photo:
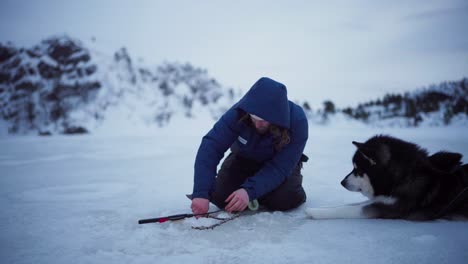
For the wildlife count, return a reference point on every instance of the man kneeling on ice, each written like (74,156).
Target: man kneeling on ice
(267,134)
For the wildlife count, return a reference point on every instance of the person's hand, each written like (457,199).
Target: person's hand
(237,201)
(200,206)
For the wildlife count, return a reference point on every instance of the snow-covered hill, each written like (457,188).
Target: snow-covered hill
(62,86)
(437,105)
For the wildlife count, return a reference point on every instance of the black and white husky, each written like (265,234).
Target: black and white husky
(402,182)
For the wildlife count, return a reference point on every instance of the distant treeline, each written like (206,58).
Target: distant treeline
(447,99)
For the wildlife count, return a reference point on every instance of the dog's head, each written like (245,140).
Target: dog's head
(370,167)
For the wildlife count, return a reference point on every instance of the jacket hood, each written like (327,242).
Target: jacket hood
(267,99)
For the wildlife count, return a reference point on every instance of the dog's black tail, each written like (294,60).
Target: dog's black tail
(460,202)
(462,173)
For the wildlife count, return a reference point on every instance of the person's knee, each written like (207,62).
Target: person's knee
(218,200)
(286,202)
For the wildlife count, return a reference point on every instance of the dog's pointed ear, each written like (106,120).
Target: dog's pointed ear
(366,152)
(357,144)
(362,148)
(446,161)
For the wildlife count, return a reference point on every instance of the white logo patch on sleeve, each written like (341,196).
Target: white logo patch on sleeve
(242,140)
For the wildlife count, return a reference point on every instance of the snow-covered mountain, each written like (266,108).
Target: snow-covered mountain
(61,86)
(64,86)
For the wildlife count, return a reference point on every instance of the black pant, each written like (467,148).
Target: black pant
(235,170)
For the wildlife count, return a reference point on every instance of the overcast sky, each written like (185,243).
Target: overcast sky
(347,51)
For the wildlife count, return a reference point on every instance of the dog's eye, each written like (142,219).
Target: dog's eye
(358,172)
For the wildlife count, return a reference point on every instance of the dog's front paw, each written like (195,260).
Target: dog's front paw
(323,213)
(314,213)
(337,212)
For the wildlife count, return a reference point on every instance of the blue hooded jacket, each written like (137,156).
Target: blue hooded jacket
(268,100)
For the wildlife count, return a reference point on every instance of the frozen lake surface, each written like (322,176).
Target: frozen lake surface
(78,199)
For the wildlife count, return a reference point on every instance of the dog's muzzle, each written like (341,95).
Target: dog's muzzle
(344,181)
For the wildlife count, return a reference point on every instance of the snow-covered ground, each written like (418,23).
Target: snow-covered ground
(78,199)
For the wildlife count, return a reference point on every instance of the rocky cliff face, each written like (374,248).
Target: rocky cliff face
(41,86)
(61,86)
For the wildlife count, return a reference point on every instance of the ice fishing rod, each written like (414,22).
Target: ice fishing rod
(173,217)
